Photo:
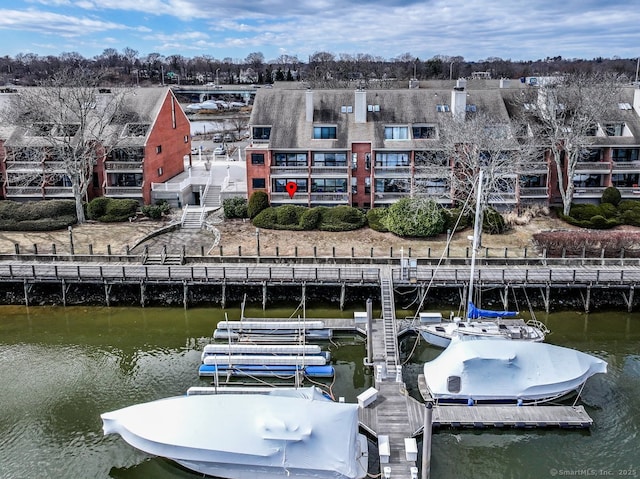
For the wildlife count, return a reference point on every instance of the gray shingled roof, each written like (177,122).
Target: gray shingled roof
(285,111)
(145,103)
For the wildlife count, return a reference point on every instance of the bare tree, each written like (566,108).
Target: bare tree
(565,116)
(483,142)
(67,124)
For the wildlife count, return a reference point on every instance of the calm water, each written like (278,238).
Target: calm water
(61,367)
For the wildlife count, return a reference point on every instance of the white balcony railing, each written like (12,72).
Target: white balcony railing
(534,192)
(626,166)
(127,166)
(588,192)
(124,191)
(597,166)
(289,171)
(329,170)
(333,198)
(24,191)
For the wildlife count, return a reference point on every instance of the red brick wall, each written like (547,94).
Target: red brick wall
(171,138)
(258,171)
(362,149)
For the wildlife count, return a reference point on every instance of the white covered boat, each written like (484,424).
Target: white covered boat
(292,432)
(493,370)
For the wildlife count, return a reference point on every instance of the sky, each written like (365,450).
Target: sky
(474,29)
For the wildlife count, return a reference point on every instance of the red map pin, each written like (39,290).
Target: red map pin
(291,188)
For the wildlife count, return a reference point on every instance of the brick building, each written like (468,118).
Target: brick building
(371,148)
(147,145)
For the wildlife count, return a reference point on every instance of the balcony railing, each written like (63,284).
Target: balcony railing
(382,197)
(58,191)
(289,171)
(127,166)
(626,166)
(588,192)
(333,198)
(629,192)
(298,197)
(534,192)
(388,172)
(501,198)
(24,166)
(341,171)
(537,167)
(24,191)
(124,191)
(597,166)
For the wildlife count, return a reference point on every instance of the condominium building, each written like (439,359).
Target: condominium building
(147,144)
(369,148)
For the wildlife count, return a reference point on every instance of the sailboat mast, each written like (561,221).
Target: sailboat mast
(476,240)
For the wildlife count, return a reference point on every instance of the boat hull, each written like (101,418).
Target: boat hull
(494,370)
(297,432)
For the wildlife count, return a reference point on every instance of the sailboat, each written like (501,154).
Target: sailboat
(482,323)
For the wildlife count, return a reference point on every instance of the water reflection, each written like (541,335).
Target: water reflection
(61,367)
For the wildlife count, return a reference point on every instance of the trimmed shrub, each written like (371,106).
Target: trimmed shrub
(415,217)
(493,223)
(584,211)
(451,217)
(267,218)
(97,207)
(287,215)
(44,215)
(310,219)
(611,195)
(235,207)
(341,218)
(119,210)
(156,211)
(375,217)
(257,202)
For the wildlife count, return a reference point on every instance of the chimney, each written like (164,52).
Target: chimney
(309,105)
(361,106)
(458,102)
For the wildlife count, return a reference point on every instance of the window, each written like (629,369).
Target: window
(392,185)
(290,159)
(624,106)
(261,132)
(625,180)
(396,132)
(354,161)
(442,108)
(471,108)
(533,181)
(367,185)
(41,129)
(454,384)
(257,158)
(329,159)
(625,154)
(354,186)
(159,149)
(258,183)
(329,185)
(324,132)
(186,138)
(614,129)
(280,185)
(160,171)
(592,155)
(392,160)
(424,132)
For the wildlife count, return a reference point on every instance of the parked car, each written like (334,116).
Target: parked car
(220,150)
(229,137)
(218,137)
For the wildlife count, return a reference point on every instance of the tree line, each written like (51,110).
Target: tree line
(130,67)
